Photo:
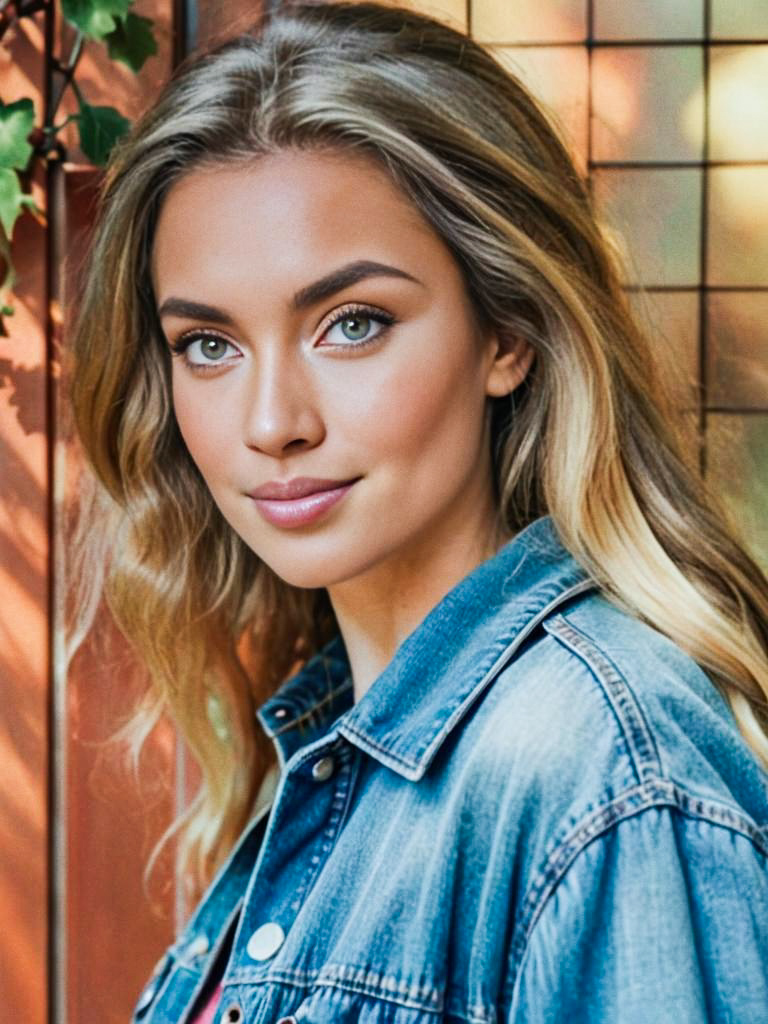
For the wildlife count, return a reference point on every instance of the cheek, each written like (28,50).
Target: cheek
(204,435)
(419,407)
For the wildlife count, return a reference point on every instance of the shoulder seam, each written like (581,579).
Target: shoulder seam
(642,746)
(654,793)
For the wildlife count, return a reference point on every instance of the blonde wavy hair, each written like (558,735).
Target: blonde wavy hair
(591,438)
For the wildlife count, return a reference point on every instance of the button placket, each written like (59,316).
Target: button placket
(280,886)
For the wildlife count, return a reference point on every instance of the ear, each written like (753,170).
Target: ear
(511,358)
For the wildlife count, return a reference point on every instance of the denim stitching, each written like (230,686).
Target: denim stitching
(495,662)
(629,713)
(656,793)
(336,816)
(168,974)
(362,981)
(326,699)
(347,978)
(507,648)
(223,880)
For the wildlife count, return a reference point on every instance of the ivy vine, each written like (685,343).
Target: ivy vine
(129,39)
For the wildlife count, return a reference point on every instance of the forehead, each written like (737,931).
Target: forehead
(285,209)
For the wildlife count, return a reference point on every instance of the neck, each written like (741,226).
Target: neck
(379,608)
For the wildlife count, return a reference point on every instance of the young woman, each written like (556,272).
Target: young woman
(400,521)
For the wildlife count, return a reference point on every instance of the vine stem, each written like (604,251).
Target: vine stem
(68,72)
(77,91)
(55,128)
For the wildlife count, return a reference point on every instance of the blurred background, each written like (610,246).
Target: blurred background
(665,106)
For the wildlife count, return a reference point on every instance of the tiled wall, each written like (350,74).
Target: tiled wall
(665,104)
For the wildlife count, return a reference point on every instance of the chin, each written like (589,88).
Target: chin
(304,576)
(307,569)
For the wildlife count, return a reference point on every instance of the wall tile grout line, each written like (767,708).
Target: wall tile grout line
(704,249)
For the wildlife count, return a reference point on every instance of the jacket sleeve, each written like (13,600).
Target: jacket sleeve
(662,918)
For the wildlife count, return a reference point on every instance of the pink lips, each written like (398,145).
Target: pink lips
(298,501)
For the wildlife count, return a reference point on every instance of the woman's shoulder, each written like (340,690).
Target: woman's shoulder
(646,824)
(601,715)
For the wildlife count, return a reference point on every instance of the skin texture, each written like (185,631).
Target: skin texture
(290,396)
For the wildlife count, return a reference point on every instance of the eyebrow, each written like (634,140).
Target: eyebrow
(323,288)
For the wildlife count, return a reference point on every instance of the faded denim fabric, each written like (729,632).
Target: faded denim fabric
(541,811)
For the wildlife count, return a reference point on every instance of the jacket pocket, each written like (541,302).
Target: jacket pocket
(334,1005)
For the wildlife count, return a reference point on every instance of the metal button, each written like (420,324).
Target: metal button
(198,946)
(159,965)
(287,1020)
(323,769)
(233,1014)
(265,941)
(147,996)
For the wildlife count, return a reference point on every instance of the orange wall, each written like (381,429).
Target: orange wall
(24,588)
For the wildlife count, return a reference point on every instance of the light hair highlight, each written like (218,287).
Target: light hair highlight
(591,437)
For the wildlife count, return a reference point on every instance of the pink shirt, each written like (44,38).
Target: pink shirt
(207,1013)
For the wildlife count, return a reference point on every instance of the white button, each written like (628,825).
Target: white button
(198,946)
(322,769)
(147,997)
(159,965)
(281,713)
(265,941)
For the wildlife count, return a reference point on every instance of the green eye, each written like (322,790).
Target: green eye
(358,327)
(203,350)
(213,348)
(356,333)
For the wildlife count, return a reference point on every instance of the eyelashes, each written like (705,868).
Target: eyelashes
(351,311)
(182,345)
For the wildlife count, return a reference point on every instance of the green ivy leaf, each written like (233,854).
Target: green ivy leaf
(6,309)
(16,122)
(132,41)
(100,128)
(96,18)
(12,200)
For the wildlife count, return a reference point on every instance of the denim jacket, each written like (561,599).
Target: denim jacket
(542,810)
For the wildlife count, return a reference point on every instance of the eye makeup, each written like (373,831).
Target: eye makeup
(181,346)
(356,311)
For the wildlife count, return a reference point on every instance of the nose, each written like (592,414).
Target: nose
(281,408)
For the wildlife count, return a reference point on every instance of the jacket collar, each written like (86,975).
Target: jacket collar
(440,669)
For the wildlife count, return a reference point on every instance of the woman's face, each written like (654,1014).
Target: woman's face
(328,335)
